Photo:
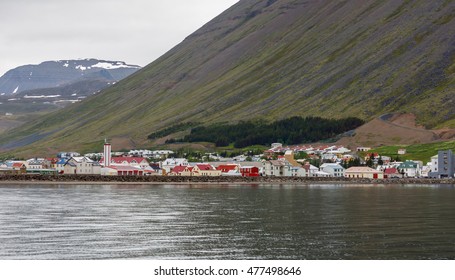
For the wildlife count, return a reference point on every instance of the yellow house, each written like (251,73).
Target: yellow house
(205,170)
(363,172)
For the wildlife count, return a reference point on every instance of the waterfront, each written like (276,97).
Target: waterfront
(227,221)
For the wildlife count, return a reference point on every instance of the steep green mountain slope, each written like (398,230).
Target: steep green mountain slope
(276,59)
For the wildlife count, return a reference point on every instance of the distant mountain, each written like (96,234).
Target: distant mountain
(55,84)
(52,74)
(267,59)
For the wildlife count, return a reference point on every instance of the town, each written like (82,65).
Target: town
(279,160)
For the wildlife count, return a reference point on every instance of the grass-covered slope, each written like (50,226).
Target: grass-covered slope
(276,59)
(422,152)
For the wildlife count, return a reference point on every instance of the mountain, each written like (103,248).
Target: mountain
(271,60)
(52,74)
(55,84)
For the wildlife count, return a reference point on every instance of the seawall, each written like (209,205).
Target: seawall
(36,178)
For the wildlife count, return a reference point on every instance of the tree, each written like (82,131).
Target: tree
(370,162)
(380,161)
(301,155)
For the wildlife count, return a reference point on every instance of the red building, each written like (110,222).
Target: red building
(225,168)
(249,171)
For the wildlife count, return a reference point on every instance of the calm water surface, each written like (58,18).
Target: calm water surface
(227,222)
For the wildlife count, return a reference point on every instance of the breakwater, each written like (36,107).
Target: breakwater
(204,179)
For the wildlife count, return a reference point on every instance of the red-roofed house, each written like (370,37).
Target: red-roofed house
(392,173)
(130,161)
(229,169)
(126,170)
(181,171)
(19,168)
(205,170)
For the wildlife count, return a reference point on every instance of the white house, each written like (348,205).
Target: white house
(410,168)
(311,170)
(294,171)
(363,172)
(334,169)
(274,168)
(82,165)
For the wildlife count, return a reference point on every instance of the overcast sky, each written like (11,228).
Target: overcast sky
(134,31)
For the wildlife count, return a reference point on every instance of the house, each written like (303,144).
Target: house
(205,170)
(444,166)
(329,157)
(392,172)
(68,155)
(181,171)
(60,165)
(38,163)
(363,149)
(409,168)
(274,168)
(225,168)
(122,170)
(81,165)
(139,162)
(333,169)
(294,171)
(249,171)
(168,164)
(20,167)
(286,166)
(322,174)
(229,169)
(311,170)
(363,172)
(14,168)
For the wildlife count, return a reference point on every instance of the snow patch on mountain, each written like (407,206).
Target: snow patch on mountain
(41,96)
(116,65)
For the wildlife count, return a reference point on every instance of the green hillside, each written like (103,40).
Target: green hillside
(273,60)
(422,152)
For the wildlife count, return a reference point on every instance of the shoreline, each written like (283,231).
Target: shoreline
(183,180)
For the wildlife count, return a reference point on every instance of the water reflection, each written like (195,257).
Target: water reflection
(227,222)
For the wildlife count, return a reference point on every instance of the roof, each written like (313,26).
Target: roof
(125,168)
(120,160)
(335,165)
(227,167)
(277,162)
(80,159)
(309,167)
(204,167)
(362,169)
(62,161)
(249,167)
(392,170)
(179,169)
(175,161)
(408,164)
(18,164)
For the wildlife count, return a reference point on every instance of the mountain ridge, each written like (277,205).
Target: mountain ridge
(275,59)
(50,74)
